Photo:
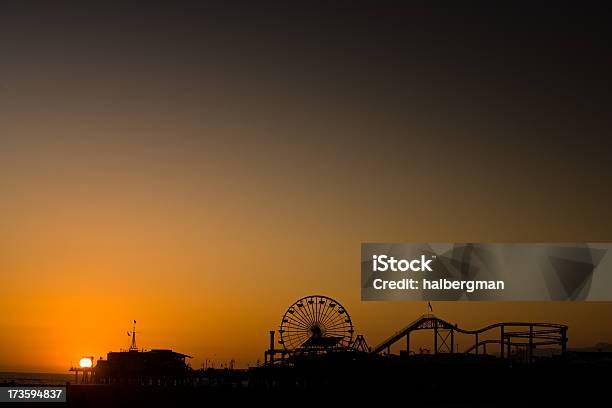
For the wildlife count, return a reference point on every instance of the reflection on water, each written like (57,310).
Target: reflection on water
(35,378)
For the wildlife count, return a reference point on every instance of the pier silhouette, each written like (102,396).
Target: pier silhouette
(315,349)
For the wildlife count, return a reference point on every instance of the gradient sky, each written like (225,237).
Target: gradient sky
(199,168)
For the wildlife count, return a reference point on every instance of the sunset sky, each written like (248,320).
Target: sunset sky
(199,168)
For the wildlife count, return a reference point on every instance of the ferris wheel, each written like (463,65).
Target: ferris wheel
(316,323)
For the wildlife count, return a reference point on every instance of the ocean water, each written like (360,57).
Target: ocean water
(35,378)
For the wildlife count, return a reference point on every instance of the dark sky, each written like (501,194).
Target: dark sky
(141,142)
(515,84)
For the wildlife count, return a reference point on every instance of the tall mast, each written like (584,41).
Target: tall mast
(133,347)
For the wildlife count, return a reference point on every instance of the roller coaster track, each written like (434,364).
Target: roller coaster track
(398,335)
(532,334)
(483,342)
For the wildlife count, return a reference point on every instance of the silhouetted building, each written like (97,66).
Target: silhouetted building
(154,367)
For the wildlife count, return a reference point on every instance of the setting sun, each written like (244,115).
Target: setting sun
(85,362)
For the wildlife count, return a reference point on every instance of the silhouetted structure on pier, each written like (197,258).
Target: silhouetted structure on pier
(318,324)
(521,337)
(316,351)
(316,348)
(154,367)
